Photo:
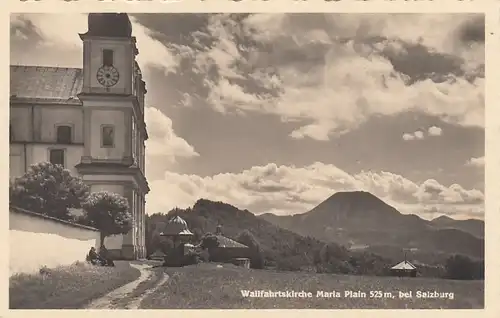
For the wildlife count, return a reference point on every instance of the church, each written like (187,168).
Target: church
(89,119)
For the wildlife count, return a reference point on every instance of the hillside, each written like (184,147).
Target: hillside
(360,219)
(281,248)
(276,242)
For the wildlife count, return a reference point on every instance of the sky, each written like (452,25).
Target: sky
(277,112)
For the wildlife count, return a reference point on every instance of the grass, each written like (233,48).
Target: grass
(68,287)
(205,286)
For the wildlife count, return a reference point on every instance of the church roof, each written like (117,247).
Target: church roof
(45,84)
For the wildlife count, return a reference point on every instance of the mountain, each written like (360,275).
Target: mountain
(471,226)
(361,220)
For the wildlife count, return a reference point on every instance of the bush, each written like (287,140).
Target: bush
(336,259)
(463,268)
(292,263)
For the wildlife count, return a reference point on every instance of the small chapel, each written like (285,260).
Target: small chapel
(89,120)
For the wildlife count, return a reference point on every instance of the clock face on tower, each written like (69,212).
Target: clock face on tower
(108,76)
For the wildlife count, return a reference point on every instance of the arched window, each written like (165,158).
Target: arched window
(63,134)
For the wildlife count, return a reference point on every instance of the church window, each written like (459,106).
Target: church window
(63,134)
(107,57)
(57,156)
(107,136)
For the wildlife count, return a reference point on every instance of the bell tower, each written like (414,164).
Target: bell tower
(109,51)
(113,119)
(110,100)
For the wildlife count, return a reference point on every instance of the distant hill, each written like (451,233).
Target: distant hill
(360,219)
(471,226)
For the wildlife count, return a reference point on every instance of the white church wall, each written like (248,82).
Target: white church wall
(36,240)
(72,154)
(49,117)
(116,118)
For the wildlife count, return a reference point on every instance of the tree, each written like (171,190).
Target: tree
(246,238)
(48,189)
(209,241)
(333,251)
(108,212)
(463,268)
(198,234)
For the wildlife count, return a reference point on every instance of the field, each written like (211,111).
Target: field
(206,286)
(68,287)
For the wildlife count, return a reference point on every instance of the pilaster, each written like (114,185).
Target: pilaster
(87,129)
(143,221)
(144,225)
(127,152)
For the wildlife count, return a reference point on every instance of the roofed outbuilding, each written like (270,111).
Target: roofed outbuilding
(404,268)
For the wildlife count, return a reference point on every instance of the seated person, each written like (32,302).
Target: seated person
(104,255)
(93,257)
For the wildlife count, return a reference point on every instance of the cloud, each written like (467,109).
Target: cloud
(330,73)
(414,135)
(432,191)
(419,135)
(460,34)
(476,162)
(163,141)
(289,189)
(60,32)
(408,136)
(334,73)
(435,131)
(152,52)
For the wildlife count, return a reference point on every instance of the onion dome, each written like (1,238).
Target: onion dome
(176,226)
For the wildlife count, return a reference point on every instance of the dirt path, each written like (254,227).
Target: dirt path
(136,302)
(112,299)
